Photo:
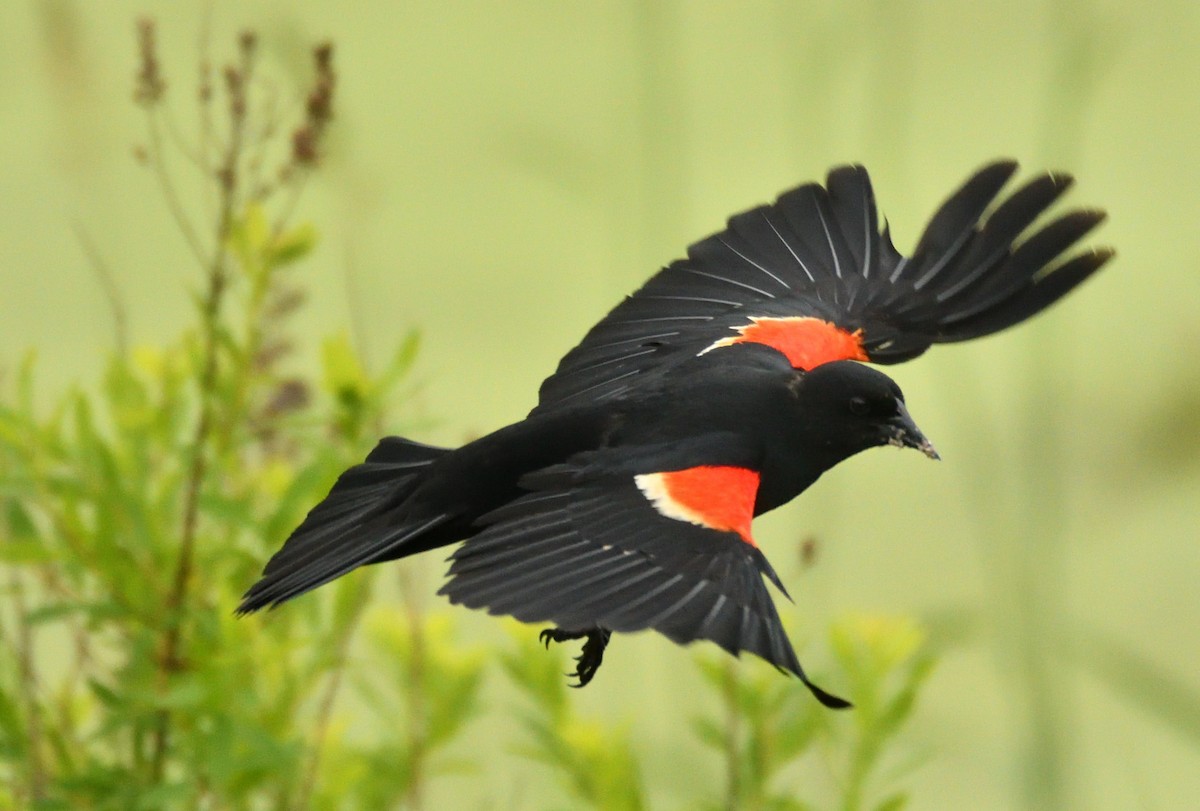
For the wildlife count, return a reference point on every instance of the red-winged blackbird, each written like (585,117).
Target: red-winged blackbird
(721,389)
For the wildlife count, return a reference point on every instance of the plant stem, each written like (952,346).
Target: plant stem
(170,661)
(167,188)
(328,698)
(733,782)
(108,284)
(27,679)
(416,700)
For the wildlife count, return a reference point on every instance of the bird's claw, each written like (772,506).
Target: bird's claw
(589,659)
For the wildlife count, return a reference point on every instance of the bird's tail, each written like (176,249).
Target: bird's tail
(357,523)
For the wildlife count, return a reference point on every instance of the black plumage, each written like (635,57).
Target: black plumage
(820,252)
(721,389)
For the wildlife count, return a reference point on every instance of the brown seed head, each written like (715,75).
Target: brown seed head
(150,85)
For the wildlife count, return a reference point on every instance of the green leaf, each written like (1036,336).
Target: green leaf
(895,802)
(187,693)
(17,520)
(402,360)
(709,732)
(24,552)
(14,737)
(107,696)
(248,235)
(234,510)
(95,610)
(25,382)
(291,246)
(784,803)
(344,376)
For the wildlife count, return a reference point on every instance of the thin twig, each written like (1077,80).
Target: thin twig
(417,711)
(268,111)
(321,732)
(167,187)
(204,97)
(733,787)
(169,660)
(324,717)
(108,285)
(296,186)
(192,152)
(54,586)
(358,325)
(28,680)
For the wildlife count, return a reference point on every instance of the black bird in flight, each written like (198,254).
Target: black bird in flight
(720,390)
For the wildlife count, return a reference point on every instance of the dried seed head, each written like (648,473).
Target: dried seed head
(289,396)
(285,301)
(809,548)
(323,55)
(318,109)
(150,85)
(304,146)
(235,86)
(247,43)
(205,89)
(320,99)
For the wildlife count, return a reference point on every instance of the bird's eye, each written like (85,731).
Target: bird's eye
(859,406)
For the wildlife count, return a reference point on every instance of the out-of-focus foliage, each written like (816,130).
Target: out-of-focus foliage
(595,762)
(767,725)
(424,685)
(94,497)
(134,514)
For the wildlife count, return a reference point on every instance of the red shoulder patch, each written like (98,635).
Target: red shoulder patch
(712,496)
(806,341)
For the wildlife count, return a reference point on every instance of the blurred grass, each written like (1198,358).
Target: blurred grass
(500,177)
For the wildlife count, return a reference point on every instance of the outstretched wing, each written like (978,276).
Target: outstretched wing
(816,277)
(669,550)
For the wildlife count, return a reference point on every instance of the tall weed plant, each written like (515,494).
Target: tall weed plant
(134,509)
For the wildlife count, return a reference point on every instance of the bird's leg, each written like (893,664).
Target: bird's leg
(589,659)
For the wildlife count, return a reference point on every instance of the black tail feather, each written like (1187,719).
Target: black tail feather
(1030,300)
(1003,228)
(983,266)
(956,222)
(357,523)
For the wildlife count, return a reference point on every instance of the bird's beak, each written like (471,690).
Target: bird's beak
(906,434)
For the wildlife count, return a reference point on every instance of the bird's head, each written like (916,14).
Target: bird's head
(849,407)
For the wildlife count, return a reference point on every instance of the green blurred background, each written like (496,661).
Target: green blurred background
(501,173)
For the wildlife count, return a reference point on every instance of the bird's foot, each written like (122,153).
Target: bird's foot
(589,659)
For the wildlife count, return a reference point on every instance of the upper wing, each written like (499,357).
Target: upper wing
(669,550)
(814,276)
